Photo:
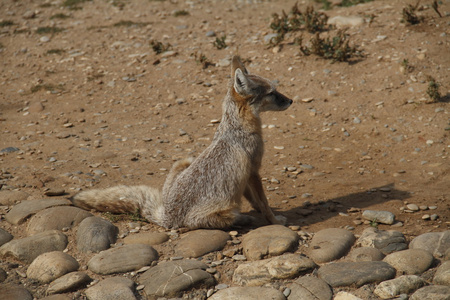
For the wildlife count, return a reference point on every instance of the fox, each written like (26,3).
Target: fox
(207,191)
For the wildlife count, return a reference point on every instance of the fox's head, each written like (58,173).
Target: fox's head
(257,92)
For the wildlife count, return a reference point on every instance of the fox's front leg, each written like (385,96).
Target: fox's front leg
(254,193)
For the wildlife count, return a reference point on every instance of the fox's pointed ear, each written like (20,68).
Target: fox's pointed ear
(241,82)
(237,64)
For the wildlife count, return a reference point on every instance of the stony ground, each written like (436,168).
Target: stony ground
(86,101)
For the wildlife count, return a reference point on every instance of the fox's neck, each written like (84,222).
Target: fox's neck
(237,114)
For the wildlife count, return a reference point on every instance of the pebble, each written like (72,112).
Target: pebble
(437,243)
(122,259)
(112,288)
(14,291)
(412,207)
(432,292)
(148,238)
(210,33)
(95,234)
(248,293)
(199,242)
(442,275)
(410,261)
(5,236)
(259,272)
(58,217)
(355,273)
(171,277)
(387,241)
(365,254)
(268,241)
(384,217)
(68,282)
(20,212)
(44,39)
(405,284)
(9,150)
(310,288)
(51,265)
(346,21)
(330,244)
(28,248)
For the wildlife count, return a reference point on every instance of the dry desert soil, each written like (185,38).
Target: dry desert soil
(87,102)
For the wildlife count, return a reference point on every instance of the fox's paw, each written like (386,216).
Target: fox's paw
(243,220)
(282,220)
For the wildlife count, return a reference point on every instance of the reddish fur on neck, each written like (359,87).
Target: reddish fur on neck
(249,120)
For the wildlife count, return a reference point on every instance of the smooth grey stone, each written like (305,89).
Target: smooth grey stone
(330,244)
(172,277)
(405,284)
(5,236)
(387,241)
(14,292)
(95,234)
(355,273)
(310,288)
(247,293)
(270,240)
(114,288)
(200,242)
(437,243)
(365,254)
(442,275)
(56,218)
(20,212)
(51,265)
(432,292)
(346,296)
(122,259)
(3,275)
(9,150)
(259,272)
(68,282)
(148,238)
(379,216)
(9,198)
(27,249)
(410,261)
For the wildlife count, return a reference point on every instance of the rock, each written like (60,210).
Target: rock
(56,218)
(432,292)
(148,238)
(262,271)
(330,244)
(122,259)
(247,293)
(9,150)
(269,241)
(350,21)
(112,288)
(3,275)
(268,37)
(442,275)
(199,242)
(57,297)
(8,198)
(413,207)
(384,217)
(310,288)
(19,213)
(68,282)
(13,291)
(410,261)
(95,234)
(51,265)
(355,273)
(345,296)
(437,243)
(5,236)
(172,277)
(365,254)
(27,249)
(386,241)
(35,107)
(405,284)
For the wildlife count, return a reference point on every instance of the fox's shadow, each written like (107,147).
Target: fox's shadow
(305,215)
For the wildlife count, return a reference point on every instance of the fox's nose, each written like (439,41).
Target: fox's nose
(290,101)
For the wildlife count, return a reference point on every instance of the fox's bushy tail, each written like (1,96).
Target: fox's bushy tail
(121,199)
